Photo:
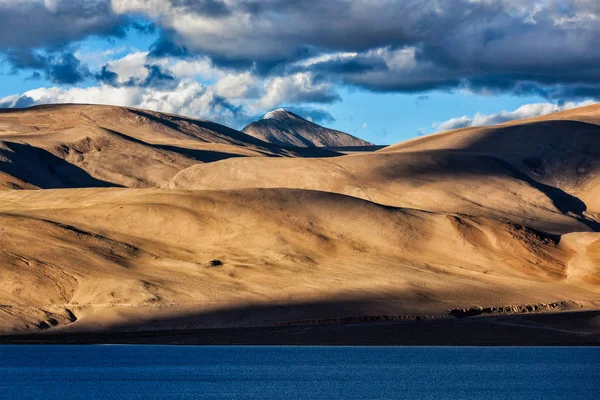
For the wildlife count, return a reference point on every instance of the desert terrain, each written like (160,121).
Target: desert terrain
(117,220)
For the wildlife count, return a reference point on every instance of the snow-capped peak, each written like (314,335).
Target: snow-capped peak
(273,114)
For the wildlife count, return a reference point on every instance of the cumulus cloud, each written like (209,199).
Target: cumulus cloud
(255,92)
(29,24)
(62,68)
(169,85)
(254,55)
(188,98)
(297,88)
(414,45)
(316,115)
(525,111)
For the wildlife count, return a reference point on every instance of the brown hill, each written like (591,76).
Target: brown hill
(284,128)
(496,216)
(118,257)
(60,146)
(561,150)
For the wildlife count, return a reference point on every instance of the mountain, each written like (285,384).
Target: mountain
(73,145)
(560,150)
(119,220)
(540,173)
(284,128)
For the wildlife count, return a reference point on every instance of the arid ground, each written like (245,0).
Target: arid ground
(116,220)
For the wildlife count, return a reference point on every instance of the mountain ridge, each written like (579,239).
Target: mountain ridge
(129,219)
(284,128)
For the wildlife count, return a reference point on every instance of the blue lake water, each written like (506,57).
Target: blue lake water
(238,372)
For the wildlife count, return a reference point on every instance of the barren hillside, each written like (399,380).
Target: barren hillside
(214,228)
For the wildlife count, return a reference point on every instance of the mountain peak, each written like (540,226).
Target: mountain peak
(284,128)
(278,114)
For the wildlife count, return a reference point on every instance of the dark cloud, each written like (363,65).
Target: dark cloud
(156,77)
(21,102)
(222,103)
(41,35)
(67,69)
(31,24)
(62,68)
(24,101)
(211,8)
(315,115)
(165,46)
(484,46)
(542,47)
(348,66)
(107,76)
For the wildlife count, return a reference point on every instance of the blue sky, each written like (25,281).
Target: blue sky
(383,70)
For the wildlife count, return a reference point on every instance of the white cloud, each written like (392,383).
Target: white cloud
(525,111)
(130,66)
(201,67)
(237,86)
(296,88)
(454,123)
(96,59)
(189,98)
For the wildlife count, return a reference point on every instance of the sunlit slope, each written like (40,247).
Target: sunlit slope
(112,256)
(438,181)
(561,149)
(70,145)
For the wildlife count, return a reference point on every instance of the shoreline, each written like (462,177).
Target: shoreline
(571,328)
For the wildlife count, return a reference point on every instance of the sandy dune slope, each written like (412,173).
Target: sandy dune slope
(561,150)
(439,181)
(95,146)
(111,254)
(219,229)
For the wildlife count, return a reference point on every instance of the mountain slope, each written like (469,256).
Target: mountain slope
(285,128)
(501,217)
(119,258)
(541,173)
(561,150)
(70,145)
(443,182)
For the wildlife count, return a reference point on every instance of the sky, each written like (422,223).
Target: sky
(384,70)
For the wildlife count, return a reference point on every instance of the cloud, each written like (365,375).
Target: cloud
(238,86)
(525,111)
(296,88)
(156,77)
(316,115)
(256,92)
(544,47)
(454,123)
(107,76)
(62,68)
(255,55)
(31,24)
(188,98)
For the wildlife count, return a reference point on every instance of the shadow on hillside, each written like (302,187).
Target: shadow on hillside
(236,137)
(439,165)
(358,323)
(174,121)
(563,201)
(43,169)
(206,156)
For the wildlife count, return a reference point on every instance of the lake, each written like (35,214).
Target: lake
(241,372)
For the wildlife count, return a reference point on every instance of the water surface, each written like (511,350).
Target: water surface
(238,372)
